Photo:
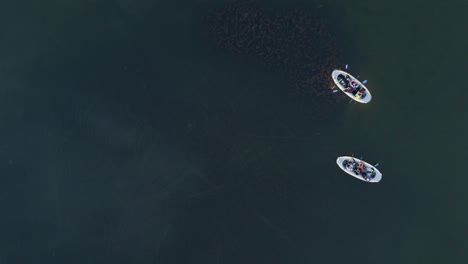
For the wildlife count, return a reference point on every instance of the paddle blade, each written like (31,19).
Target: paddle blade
(334,91)
(375,165)
(364,82)
(346,66)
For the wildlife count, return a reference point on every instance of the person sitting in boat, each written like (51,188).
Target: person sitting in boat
(359,92)
(361,167)
(357,171)
(369,174)
(342,79)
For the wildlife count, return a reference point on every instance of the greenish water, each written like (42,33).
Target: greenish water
(128,138)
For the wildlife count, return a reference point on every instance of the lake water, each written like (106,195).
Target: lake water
(128,138)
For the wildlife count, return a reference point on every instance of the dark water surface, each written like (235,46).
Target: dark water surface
(128,137)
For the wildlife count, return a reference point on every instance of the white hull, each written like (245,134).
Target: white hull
(364,100)
(377,177)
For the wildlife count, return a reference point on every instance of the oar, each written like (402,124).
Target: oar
(333,87)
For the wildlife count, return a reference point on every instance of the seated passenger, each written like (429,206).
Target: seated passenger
(361,166)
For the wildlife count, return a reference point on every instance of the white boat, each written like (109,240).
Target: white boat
(351,86)
(359,169)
